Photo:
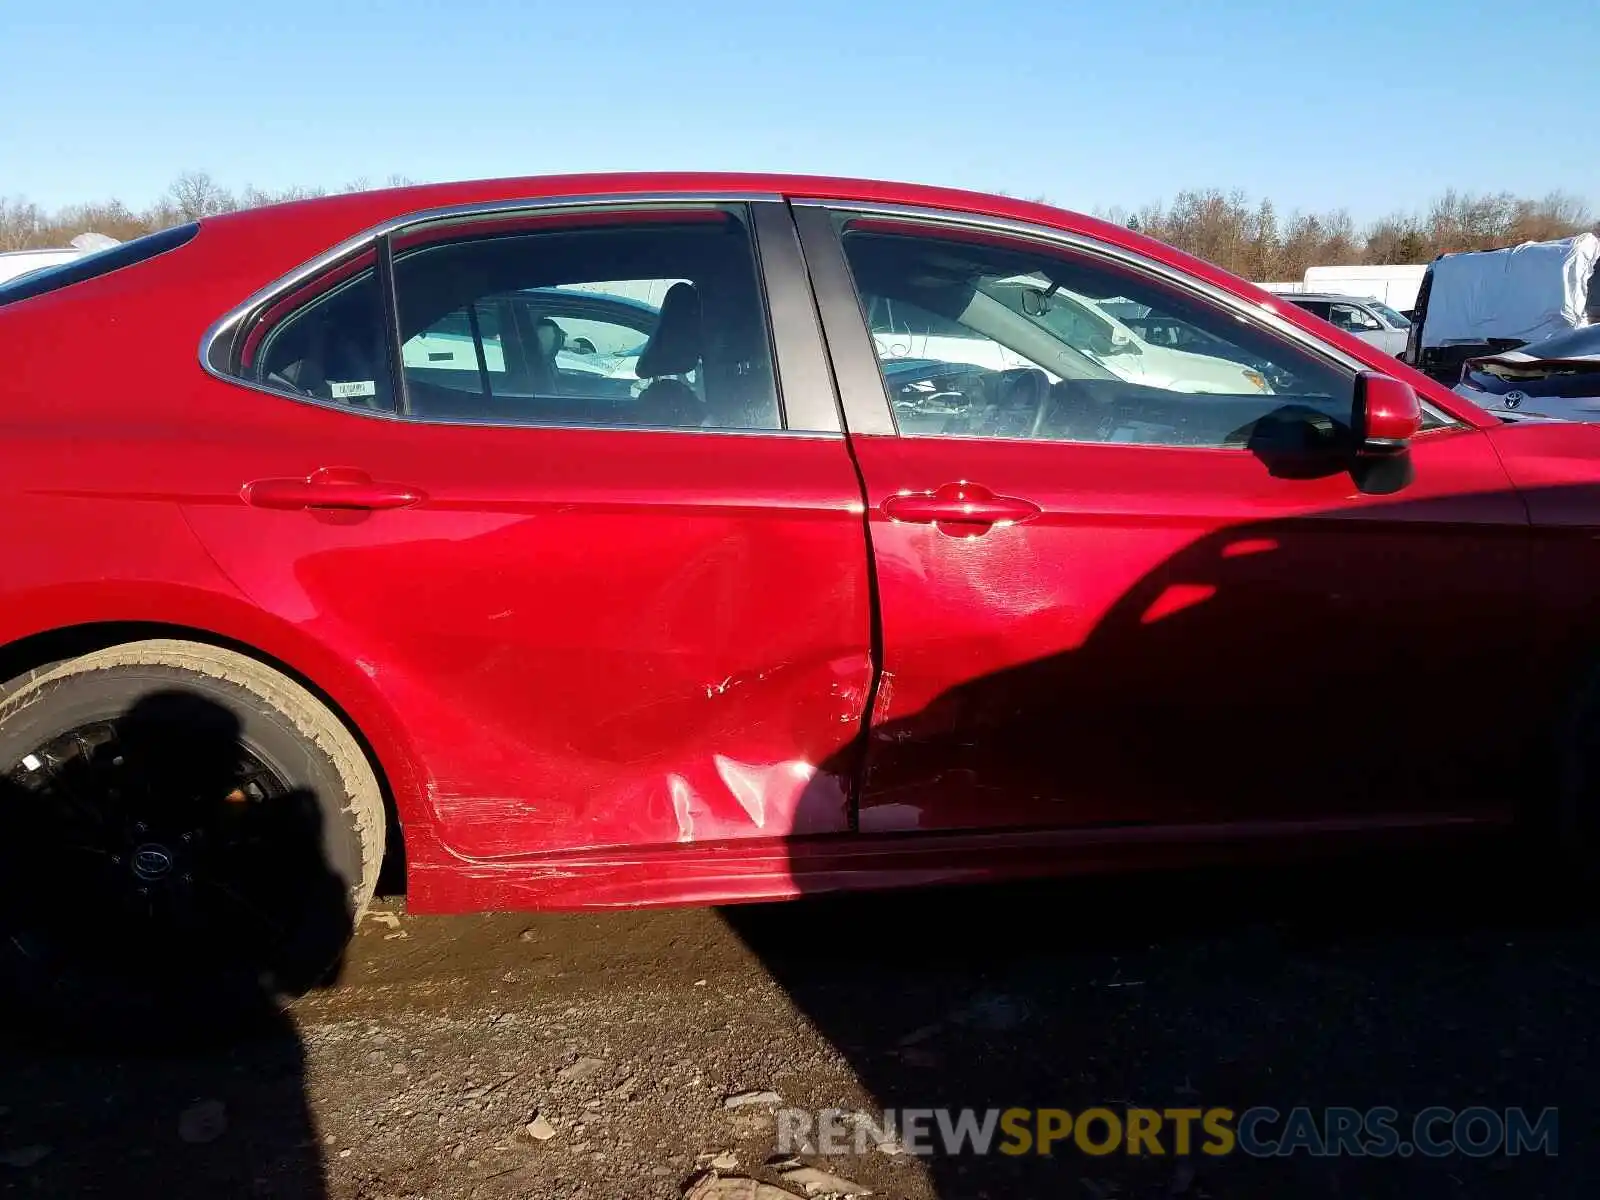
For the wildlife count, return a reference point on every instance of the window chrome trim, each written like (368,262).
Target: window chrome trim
(229,324)
(1122,257)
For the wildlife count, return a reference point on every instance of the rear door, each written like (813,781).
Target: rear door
(1110,603)
(620,606)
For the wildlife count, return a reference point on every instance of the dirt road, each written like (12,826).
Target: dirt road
(623,1055)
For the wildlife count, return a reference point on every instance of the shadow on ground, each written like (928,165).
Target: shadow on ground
(1400,982)
(152,846)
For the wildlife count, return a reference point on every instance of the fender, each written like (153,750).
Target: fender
(216,612)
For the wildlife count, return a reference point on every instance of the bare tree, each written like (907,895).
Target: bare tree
(196,195)
(1227,228)
(19,224)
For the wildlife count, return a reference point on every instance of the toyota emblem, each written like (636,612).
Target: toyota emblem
(1515,399)
(152,862)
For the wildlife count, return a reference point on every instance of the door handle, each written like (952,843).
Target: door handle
(330,487)
(961,509)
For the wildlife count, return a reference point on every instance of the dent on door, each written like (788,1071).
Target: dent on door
(589,642)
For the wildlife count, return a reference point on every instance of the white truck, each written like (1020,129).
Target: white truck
(1395,286)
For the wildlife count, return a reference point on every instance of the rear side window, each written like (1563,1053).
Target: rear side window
(653,319)
(1317,308)
(91,266)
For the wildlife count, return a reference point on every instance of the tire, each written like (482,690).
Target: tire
(183,830)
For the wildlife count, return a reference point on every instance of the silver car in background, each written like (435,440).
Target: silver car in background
(1370,320)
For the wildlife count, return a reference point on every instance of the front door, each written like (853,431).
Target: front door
(1124,583)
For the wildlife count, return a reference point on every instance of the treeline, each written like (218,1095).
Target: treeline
(25,226)
(1251,239)
(1246,237)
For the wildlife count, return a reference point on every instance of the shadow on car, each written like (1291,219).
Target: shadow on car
(1424,971)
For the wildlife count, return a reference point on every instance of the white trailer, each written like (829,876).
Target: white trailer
(1396,286)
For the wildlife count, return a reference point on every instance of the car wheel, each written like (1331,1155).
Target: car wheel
(182,829)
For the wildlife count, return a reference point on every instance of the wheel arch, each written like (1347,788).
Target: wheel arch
(376,732)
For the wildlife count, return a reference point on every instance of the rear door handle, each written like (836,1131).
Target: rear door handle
(331,487)
(962,509)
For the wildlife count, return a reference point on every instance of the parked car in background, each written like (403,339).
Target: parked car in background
(781,606)
(1370,320)
(1558,377)
(593,332)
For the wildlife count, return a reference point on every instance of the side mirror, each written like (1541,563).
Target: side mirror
(1386,415)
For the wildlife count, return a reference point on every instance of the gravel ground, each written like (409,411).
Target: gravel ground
(595,1055)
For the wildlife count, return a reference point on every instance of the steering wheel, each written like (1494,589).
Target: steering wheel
(1022,392)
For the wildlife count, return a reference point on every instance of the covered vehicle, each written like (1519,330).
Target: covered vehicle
(1558,377)
(1485,302)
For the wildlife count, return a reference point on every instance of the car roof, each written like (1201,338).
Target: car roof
(302,227)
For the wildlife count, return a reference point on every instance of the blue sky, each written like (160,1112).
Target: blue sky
(1360,104)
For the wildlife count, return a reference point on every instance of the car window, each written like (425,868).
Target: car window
(1395,319)
(597,330)
(326,342)
(658,323)
(980,339)
(1317,308)
(1352,318)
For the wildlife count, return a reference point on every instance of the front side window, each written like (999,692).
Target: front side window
(597,322)
(980,338)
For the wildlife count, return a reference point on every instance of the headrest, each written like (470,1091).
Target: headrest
(674,348)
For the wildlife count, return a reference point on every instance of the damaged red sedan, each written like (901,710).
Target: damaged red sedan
(660,539)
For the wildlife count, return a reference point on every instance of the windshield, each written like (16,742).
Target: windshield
(1076,320)
(1388,314)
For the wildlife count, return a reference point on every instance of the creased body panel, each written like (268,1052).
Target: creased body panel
(594,637)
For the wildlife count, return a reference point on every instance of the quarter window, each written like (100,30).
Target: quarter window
(980,338)
(330,347)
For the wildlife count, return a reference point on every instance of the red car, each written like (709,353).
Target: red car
(667,539)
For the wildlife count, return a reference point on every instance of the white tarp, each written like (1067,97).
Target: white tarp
(1524,292)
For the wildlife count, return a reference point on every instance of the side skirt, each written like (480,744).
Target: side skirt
(744,871)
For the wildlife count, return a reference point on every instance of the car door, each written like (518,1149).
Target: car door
(1108,603)
(606,609)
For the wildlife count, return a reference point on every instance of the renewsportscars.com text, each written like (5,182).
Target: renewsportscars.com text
(1260,1131)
